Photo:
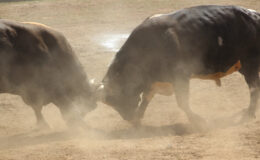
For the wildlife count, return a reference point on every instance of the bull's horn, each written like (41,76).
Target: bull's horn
(93,85)
(100,92)
(92,81)
(101,87)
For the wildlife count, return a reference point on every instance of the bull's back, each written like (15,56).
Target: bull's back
(207,39)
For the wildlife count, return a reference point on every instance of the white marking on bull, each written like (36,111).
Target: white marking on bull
(251,10)
(220,41)
(141,98)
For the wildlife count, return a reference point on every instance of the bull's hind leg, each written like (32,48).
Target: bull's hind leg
(250,72)
(181,88)
(41,123)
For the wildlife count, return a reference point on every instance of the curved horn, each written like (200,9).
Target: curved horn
(99,92)
(97,89)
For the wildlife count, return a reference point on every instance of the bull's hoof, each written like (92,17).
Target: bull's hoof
(136,122)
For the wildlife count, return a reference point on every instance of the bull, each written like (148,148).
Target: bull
(165,51)
(38,64)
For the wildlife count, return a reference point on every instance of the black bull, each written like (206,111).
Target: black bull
(38,64)
(167,50)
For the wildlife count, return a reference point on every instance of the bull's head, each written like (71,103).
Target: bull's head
(121,88)
(87,99)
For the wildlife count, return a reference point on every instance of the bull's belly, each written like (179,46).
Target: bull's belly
(218,75)
(167,89)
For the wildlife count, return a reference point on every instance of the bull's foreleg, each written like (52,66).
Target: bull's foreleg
(146,98)
(139,113)
(163,88)
(32,99)
(181,87)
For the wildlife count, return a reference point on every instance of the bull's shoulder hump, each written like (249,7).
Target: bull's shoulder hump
(17,24)
(39,27)
(26,27)
(43,29)
(37,24)
(34,31)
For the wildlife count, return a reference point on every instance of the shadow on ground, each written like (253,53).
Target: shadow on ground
(29,139)
(144,131)
(26,139)
(152,131)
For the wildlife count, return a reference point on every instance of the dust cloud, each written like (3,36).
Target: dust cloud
(165,132)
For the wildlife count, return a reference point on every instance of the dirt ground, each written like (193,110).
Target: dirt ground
(96,29)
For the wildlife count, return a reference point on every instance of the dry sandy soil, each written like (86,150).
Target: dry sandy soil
(96,29)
